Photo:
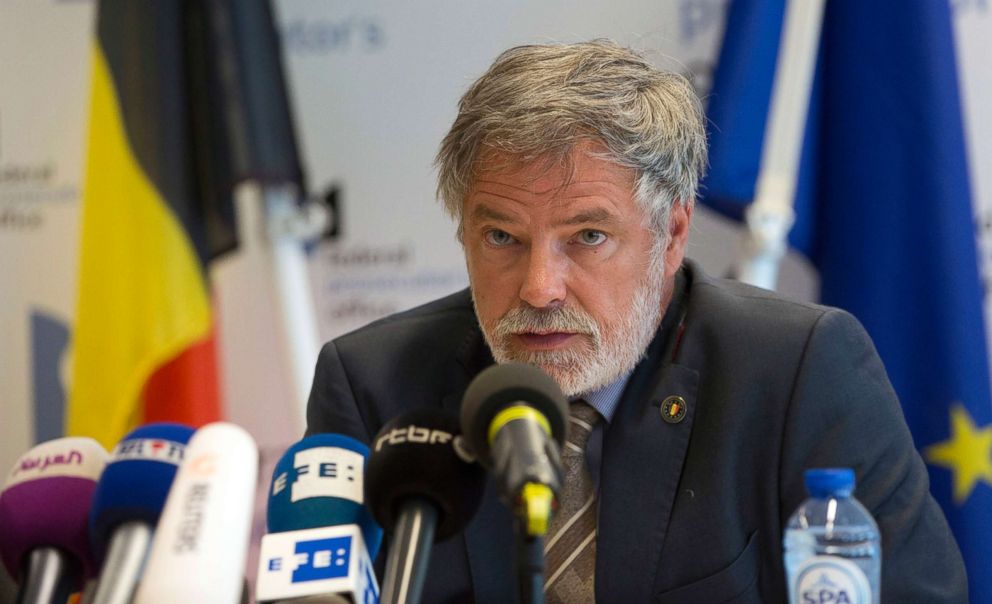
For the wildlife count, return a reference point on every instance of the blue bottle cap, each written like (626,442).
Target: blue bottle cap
(830,482)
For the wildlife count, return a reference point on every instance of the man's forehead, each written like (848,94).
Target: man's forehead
(582,171)
(482,212)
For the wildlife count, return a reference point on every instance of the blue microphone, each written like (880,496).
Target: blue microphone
(128,502)
(322,537)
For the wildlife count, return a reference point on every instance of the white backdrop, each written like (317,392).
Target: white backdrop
(44,70)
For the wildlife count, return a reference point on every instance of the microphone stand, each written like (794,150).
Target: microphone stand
(533,518)
(530,565)
(126,557)
(406,566)
(51,577)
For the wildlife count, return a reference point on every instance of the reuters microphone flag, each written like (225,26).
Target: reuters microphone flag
(144,347)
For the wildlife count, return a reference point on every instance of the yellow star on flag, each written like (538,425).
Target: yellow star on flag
(968,453)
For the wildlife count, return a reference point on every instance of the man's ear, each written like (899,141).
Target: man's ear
(679,222)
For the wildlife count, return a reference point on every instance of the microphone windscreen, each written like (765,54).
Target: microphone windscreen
(318,482)
(137,480)
(500,386)
(417,455)
(46,498)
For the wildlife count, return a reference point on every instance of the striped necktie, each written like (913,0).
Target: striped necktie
(570,549)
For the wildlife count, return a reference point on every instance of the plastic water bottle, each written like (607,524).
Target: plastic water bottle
(832,549)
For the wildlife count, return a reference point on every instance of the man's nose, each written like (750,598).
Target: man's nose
(544,282)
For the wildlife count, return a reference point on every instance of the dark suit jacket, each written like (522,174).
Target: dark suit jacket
(691,511)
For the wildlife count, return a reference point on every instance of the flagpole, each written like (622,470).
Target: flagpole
(273,228)
(290,226)
(771,216)
(275,216)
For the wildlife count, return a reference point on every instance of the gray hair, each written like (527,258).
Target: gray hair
(537,102)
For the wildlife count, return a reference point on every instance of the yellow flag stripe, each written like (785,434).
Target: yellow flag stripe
(141,298)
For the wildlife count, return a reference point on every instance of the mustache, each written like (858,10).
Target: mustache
(525,319)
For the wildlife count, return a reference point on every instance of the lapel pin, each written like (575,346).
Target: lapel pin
(673,409)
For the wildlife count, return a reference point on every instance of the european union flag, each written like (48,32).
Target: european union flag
(883,210)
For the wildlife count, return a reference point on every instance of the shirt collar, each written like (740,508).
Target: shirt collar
(606,399)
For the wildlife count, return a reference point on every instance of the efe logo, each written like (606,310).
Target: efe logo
(318,559)
(323,472)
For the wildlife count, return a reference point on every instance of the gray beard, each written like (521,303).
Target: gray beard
(607,352)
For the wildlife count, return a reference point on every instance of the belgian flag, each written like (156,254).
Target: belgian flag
(144,338)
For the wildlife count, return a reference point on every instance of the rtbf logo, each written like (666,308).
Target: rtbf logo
(318,560)
(323,472)
(413,434)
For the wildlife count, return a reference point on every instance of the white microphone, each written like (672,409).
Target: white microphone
(201,541)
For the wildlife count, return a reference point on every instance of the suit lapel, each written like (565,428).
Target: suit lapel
(641,467)
(489,536)
(644,449)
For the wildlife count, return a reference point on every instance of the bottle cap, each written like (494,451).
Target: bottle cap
(830,482)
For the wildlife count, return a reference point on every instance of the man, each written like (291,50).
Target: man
(571,172)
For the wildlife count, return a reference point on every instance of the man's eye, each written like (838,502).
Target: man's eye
(591,237)
(497,237)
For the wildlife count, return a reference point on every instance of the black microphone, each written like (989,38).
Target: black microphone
(422,486)
(514,417)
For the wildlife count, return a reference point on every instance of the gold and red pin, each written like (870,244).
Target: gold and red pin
(673,409)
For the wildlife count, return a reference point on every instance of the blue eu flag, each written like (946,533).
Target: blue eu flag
(884,213)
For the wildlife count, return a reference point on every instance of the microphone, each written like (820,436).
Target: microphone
(201,540)
(322,538)
(128,502)
(44,508)
(514,417)
(422,486)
